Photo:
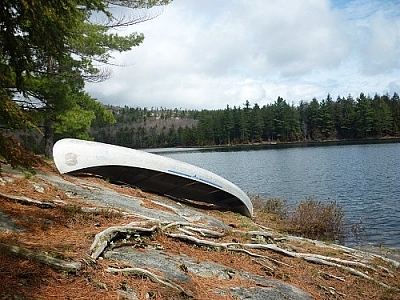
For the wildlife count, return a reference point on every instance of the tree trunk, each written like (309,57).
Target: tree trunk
(48,137)
(48,123)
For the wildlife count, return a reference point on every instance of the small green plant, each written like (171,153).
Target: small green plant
(28,175)
(72,210)
(55,254)
(246,223)
(110,213)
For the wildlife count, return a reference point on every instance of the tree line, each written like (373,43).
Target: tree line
(345,118)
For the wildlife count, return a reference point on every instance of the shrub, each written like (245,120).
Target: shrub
(275,206)
(257,202)
(317,220)
(311,218)
(15,155)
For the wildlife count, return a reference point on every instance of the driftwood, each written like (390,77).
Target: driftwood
(54,263)
(28,201)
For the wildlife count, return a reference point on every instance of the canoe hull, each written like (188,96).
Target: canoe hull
(150,172)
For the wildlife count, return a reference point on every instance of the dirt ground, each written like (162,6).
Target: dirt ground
(64,233)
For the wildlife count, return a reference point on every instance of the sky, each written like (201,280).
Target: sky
(207,54)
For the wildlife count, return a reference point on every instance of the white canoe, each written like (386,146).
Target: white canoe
(150,172)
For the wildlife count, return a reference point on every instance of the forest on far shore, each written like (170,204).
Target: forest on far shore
(347,118)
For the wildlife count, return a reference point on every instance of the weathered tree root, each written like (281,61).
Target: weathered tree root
(332,276)
(204,231)
(261,256)
(348,269)
(153,277)
(28,201)
(54,263)
(314,258)
(190,230)
(102,239)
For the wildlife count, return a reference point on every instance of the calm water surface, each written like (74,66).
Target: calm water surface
(363,179)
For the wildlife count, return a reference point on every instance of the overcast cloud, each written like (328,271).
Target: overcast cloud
(209,53)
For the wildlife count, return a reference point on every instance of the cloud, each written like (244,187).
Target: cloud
(209,53)
(381,51)
(295,37)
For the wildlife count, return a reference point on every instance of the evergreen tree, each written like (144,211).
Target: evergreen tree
(364,116)
(382,117)
(326,117)
(279,118)
(268,118)
(293,119)
(46,64)
(314,119)
(347,117)
(227,124)
(256,124)
(394,105)
(303,111)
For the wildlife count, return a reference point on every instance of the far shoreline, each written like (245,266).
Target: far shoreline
(274,145)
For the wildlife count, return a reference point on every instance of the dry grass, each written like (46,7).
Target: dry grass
(311,218)
(318,220)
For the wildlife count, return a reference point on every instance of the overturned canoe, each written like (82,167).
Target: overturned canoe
(150,172)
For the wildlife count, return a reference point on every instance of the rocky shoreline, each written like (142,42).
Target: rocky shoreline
(136,245)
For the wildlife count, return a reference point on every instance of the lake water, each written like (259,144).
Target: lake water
(363,179)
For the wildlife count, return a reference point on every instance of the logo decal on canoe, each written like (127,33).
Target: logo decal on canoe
(71,159)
